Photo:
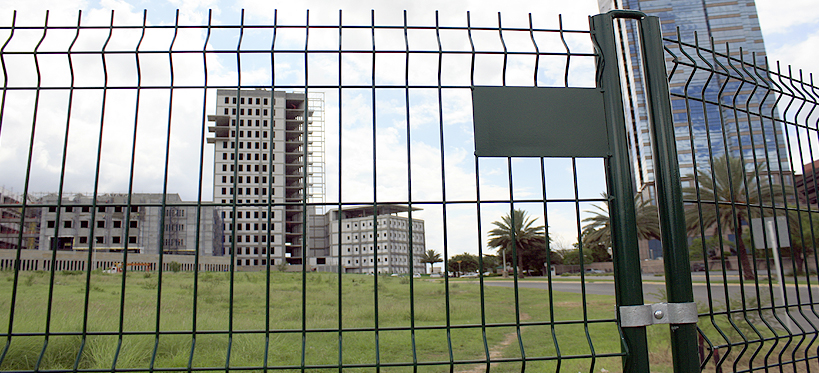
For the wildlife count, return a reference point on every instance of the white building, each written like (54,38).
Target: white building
(264,142)
(378,242)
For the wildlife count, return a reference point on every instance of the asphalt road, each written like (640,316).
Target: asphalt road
(653,292)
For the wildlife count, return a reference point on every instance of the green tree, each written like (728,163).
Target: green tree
(463,263)
(573,257)
(730,199)
(597,229)
(490,263)
(803,229)
(713,248)
(518,231)
(431,256)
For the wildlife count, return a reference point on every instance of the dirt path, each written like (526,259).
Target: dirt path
(496,351)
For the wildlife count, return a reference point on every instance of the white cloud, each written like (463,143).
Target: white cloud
(801,54)
(778,17)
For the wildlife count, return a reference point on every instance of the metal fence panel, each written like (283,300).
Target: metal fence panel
(125,114)
(747,129)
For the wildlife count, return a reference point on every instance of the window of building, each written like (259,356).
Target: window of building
(134,224)
(224,167)
(50,224)
(84,224)
(132,239)
(227,111)
(233,111)
(116,239)
(241,134)
(257,100)
(83,239)
(69,209)
(101,224)
(265,111)
(243,100)
(264,157)
(265,101)
(224,156)
(67,224)
(117,224)
(100,239)
(234,100)
(257,111)
(264,134)
(85,209)
(226,100)
(264,123)
(241,111)
(264,145)
(257,122)
(241,156)
(52,209)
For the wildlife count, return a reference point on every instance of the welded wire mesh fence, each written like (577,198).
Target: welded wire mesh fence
(746,133)
(125,114)
(263,197)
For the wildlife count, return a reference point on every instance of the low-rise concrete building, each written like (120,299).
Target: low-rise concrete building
(144,225)
(362,240)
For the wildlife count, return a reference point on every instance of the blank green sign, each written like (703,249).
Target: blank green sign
(539,122)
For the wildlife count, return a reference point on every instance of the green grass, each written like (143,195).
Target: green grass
(319,313)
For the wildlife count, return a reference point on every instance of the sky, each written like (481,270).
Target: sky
(790,28)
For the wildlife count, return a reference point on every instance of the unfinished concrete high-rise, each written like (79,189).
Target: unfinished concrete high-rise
(268,164)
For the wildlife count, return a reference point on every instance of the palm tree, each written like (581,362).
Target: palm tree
(597,231)
(518,231)
(431,256)
(730,198)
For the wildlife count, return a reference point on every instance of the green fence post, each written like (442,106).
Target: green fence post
(669,194)
(626,257)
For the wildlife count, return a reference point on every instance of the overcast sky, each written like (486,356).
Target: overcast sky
(791,30)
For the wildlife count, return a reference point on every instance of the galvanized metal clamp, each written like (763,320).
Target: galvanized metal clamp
(658,313)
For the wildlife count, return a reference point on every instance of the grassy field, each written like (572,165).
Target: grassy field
(319,314)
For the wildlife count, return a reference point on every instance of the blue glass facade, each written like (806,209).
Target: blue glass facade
(721,105)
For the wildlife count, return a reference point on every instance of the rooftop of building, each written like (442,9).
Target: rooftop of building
(364,211)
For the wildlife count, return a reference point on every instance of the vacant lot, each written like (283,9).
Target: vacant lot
(297,323)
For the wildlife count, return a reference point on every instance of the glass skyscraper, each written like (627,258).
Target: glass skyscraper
(719,115)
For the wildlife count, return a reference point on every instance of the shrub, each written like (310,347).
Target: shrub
(174,266)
